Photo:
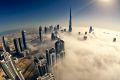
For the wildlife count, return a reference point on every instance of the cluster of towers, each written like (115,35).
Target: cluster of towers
(8,66)
(55,32)
(85,34)
(44,62)
(19,44)
(6,61)
(51,29)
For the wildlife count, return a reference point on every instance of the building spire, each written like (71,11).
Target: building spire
(70,22)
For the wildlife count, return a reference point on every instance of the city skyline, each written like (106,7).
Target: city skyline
(59,40)
(28,13)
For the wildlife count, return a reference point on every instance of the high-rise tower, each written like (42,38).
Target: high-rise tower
(17,46)
(9,67)
(24,39)
(40,33)
(6,47)
(70,22)
(20,43)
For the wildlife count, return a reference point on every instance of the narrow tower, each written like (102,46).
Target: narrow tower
(5,45)
(40,33)
(20,43)
(70,22)
(24,39)
(17,46)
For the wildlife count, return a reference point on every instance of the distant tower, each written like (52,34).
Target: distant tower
(45,29)
(8,66)
(20,43)
(4,43)
(24,39)
(6,47)
(70,22)
(52,36)
(40,33)
(58,27)
(47,57)
(90,29)
(17,46)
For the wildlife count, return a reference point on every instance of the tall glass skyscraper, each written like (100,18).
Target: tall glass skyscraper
(70,22)
(6,47)
(24,39)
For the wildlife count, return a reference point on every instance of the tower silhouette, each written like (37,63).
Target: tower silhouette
(40,33)
(5,45)
(24,39)
(70,22)
(17,47)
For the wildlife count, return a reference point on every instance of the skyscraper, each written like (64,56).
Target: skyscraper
(70,22)
(41,65)
(24,39)
(45,29)
(8,66)
(47,57)
(59,48)
(17,46)
(20,43)
(52,35)
(40,33)
(52,56)
(58,27)
(5,45)
(59,45)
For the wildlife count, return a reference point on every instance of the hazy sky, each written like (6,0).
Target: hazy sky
(21,13)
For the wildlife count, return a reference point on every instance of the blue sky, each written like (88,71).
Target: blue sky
(27,13)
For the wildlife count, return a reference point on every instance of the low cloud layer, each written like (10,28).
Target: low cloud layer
(97,58)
